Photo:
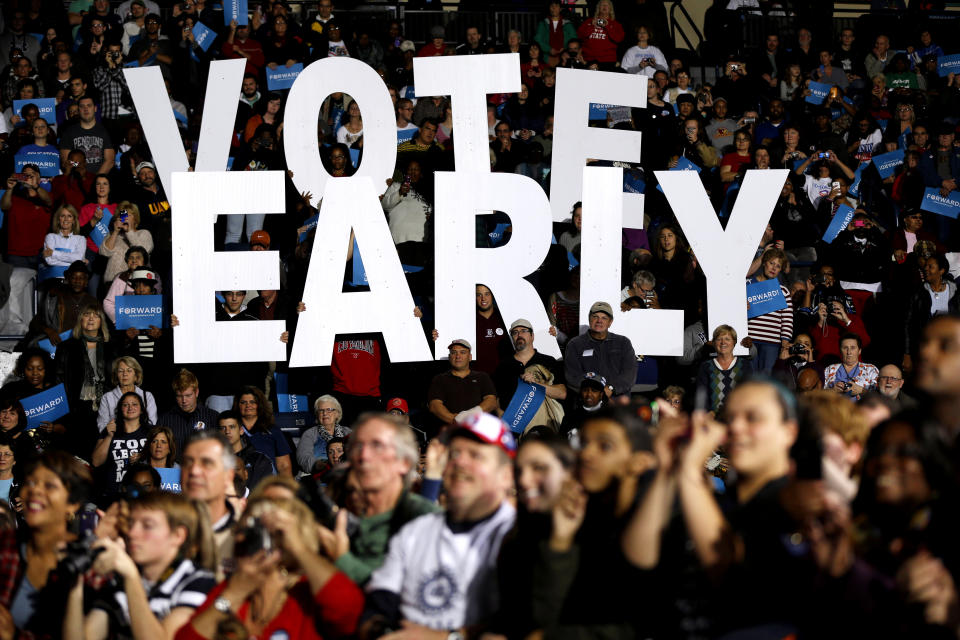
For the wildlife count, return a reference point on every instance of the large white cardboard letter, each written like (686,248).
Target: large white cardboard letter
(199,272)
(460,265)
(574,142)
(725,255)
(653,332)
(387,307)
(315,83)
(468,80)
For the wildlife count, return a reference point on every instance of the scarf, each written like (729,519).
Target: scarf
(93,377)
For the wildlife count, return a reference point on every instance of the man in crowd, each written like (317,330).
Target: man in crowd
(258,466)
(890,383)
(206,475)
(89,136)
(609,355)
(188,415)
(517,365)
(460,389)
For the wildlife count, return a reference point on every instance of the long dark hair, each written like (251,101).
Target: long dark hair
(144,418)
(264,410)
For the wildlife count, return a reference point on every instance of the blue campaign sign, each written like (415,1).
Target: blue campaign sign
(354,157)
(887,163)
(47,272)
(359,273)
(633,182)
(289,402)
(101,230)
(935,203)
(47,346)
(45,406)
(309,224)
(46,158)
(818,92)
(948,64)
(47,107)
(180,117)
(235,10)
(405,134)
(525,403)
(496,236)
(139,312)
(840,220)
(283,77)
(683,164)
(169,480)
(764,297)
(203,35)
(598,111)
(854,188)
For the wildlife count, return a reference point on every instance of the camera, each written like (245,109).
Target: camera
(798,349)
(734,67)
(252,538)
(819,280)
(823,155)
(749,120)
(601,22)
(115,55)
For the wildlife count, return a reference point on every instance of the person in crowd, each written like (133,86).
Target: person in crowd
(59,309)
(601,35)
(188,414)
(160,451)
(773,330)
(527,364)
(8,461)
(257,465)
(257,420)
(26,207)
(122,439)
(127,375)
(206,475)
(608,354)
(383,460)
(476,480)
(314,441)
(35,372)
(124,235)
(644,57)
(165,564)
(850,376)
(719,376)
(455,391)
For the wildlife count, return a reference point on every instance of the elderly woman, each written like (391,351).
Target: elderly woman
(123,235)
(601,35)
(720,375)
(313,442)
(127,375)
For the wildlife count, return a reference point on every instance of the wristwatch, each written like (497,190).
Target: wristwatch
(223,605)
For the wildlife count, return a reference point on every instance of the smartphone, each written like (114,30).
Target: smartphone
(834,185)
(859,223)
(20,177)
(823,155)
(749,120)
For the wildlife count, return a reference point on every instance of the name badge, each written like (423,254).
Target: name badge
(588,352)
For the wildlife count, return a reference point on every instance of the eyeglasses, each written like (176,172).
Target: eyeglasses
(327,410)
(519,330)
(888,379)
(6,454)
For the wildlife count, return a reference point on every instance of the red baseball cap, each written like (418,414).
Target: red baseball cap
(398,403)
(486,429)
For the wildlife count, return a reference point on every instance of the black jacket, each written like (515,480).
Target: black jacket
(918,314)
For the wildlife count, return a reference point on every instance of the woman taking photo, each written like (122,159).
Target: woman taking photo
(165,565)
(266,437)
(313,442)
(287,592)
(99,201)
(64,245)
(83,363)
(122,439)
(600,37)
(124,235)
(720,375)
(55,487)
(127,375)
(644,57)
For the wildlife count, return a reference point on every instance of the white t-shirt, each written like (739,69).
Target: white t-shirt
(445,580)
(816,188)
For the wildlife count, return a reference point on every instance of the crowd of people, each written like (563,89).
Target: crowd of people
(797,481)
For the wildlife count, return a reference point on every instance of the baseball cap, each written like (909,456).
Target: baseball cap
(484,428)
(591,377)
(521,322)
(462,342)
(398,403)
(139,2)
(144,274)
(437,31)
(261,238)
(407,45)
(145,165)
(601,307)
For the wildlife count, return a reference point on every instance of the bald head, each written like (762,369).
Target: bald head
(890,381)
(808,380)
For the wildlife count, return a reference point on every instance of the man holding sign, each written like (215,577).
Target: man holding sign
(940,166)
(517,366)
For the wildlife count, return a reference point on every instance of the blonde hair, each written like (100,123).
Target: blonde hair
(130,208)
(306,523)
(92,308)
(55,221)
(192,515)
(184,380)
(837,414)
(130,362)
(609,3)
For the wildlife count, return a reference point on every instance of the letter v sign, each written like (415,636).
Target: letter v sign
(160,127)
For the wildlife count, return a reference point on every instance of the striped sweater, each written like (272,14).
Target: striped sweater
(774,326)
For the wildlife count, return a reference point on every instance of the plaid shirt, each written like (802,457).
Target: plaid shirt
(111,84)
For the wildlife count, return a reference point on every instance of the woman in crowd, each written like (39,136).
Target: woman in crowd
(720,375)
(289,591)
(340,164)
(99,201)
(161,449)
(352,129)
(123,438)
(8,460)
(136,257)
(532,69)
(683,87)
(266,437)
(35,371)
(313,442)
(644,57)
(55,487)
(64,245)
(672,265)
(165,563)
(127,375)
(792,84)
(445,128)
(408,211)
(270,112)
(772,330)
(570,238)
(124,235)
(282,49)
(563,307)
(937,295)
(600,36)
(83,363)
(741,156)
